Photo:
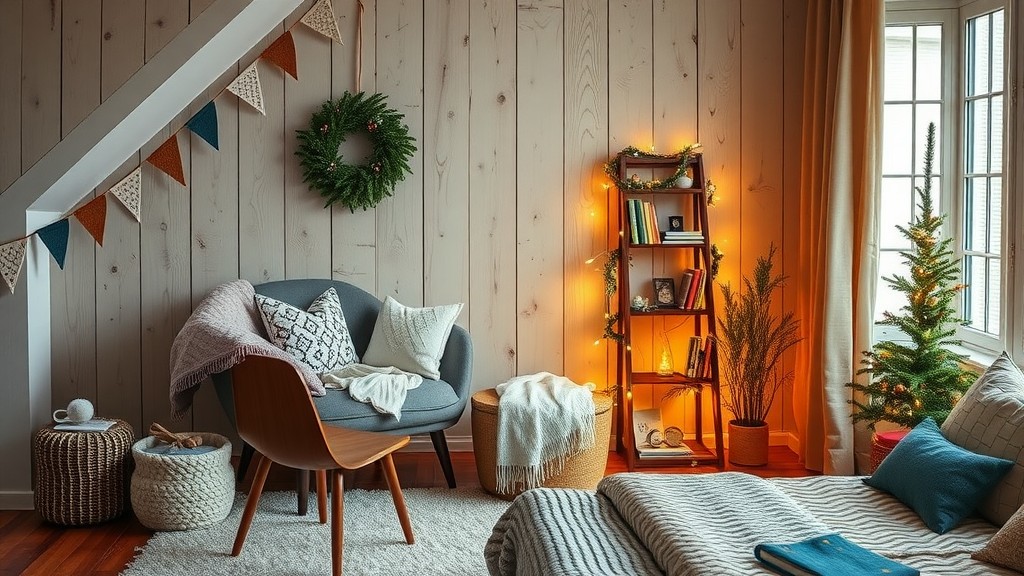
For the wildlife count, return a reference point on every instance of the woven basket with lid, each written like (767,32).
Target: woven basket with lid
(582,471)
(183,491)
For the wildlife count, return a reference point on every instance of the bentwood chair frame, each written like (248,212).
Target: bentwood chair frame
(275,414)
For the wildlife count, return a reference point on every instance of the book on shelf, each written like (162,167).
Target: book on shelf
(691,357)
(646,425)
(695,282)
(705,368)
(682,234)
(634,232)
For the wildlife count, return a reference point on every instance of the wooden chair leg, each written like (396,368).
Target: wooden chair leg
(250,504)
(337,521)
(302,488)
(321,494)
(396,494)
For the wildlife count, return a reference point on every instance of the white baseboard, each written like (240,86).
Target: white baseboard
(21,500)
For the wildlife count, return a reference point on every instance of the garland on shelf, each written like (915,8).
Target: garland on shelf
(323,167)
(610,322)
(634,182)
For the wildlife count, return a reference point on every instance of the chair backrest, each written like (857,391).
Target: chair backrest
(275,414)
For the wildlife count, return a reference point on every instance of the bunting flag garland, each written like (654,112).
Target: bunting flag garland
(93,217)
(168,159)
(321,19)
(129,192)
(55,236)
(247,87)
(204,124)
(12,255)
(282,54)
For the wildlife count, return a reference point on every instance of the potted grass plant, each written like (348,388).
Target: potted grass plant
(751,341)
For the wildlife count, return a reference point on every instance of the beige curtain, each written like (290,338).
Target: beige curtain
(842,132)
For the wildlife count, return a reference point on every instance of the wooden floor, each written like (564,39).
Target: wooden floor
(30,546)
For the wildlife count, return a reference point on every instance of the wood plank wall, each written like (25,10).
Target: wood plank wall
(514,109)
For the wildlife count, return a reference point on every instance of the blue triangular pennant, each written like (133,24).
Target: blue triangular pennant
(204,124)
(55,236)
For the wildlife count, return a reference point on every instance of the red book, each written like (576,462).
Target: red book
(705,370)
(698,275)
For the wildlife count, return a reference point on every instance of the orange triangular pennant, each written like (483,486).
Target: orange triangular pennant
(168,159)
(93,217)
(282,53)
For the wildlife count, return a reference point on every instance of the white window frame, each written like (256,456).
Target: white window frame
(952,15)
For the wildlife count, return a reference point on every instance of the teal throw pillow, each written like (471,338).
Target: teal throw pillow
(941,481)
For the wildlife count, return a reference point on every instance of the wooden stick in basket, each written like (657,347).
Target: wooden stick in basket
(177,440)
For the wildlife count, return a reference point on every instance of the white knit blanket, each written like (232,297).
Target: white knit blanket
(543,420)
(384,388)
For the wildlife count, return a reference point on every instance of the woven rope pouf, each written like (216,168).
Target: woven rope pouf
(182,491)
(81,477)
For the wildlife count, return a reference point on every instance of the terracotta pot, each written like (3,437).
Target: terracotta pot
(748,445)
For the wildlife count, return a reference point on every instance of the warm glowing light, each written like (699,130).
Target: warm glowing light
(596,342)
(606,185)
(630,348)
(593,213)
(652,147)
(629,395)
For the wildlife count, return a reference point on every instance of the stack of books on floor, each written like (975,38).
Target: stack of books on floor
(683,237)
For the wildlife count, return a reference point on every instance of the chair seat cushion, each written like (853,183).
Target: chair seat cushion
(430,403)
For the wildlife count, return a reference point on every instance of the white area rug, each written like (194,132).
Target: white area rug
(451,528)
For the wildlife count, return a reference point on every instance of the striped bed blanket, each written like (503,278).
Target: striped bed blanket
(710,523)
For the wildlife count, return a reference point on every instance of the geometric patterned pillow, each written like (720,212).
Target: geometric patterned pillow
(318,337)
(989,420)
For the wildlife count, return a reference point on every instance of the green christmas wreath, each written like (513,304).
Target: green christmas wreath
(323,167)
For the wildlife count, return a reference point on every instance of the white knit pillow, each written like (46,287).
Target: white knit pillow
(318,337)
(411,339)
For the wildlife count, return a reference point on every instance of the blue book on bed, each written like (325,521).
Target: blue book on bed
(829,555)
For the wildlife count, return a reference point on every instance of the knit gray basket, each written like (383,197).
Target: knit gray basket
(184,491)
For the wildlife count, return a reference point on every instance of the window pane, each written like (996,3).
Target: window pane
(994,306)
(887,299)
(997,50)
(896,142)
(899,62)
(974,294)
(977,137)
(927,113)
(929,62)
(977,55)
(976,214)
(897,203)
(996,145)
(996,218)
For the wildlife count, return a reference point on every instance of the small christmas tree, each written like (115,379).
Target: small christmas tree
(920,377)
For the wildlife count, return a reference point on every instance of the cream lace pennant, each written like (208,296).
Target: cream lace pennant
(12,255)
(321,19)
(129,192)
(247,87)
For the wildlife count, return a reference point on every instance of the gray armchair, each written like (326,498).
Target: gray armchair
(431,408)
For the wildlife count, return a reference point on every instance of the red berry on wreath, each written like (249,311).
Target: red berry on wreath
(371,126)
(376,167)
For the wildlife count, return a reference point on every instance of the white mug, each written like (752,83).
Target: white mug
(78,411)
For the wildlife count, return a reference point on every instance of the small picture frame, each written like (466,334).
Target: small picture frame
(675,223)
(664,292)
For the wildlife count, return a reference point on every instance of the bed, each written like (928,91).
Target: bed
(941,495)
(709,524)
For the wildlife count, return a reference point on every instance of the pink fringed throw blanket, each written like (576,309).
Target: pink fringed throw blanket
(221,332)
